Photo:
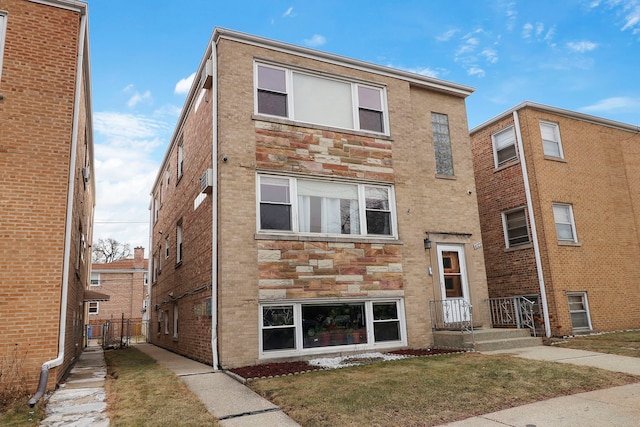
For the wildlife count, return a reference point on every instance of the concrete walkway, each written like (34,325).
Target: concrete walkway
(234,404)
(617,406)
(80,401)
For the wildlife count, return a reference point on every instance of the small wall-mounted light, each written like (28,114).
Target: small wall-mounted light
(427,243)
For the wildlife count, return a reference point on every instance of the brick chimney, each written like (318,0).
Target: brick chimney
(138,257)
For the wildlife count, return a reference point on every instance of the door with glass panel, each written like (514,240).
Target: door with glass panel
(454,286)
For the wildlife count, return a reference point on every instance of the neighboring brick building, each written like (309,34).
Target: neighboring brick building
(316,243)
(125,281)
(47,190)
(573,229)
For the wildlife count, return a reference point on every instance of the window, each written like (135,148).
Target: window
(179,243)
(3,23)
(155,268)
(156,209)
(325,207)
(319,100)
(166,247)
(442,144)
(300,328)
(93,307)
(551,139)
(516,230)
(504,146)
(565,226)
(95,279)
(160,315)
(166,322)
(180,160)
(167,177)
(579,311)
(175,320)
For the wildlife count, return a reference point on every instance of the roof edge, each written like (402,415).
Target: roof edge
(561,112)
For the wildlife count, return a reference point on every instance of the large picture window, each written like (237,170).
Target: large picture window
(299,328)
(325,207)
(319,100)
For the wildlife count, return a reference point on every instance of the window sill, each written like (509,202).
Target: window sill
(450,177)
(518,247)
(507,165)
(555,159)
(283,121)
(178,264)
(333,239)
(567,243)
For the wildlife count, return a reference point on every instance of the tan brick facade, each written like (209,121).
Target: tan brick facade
(42,101)
(258,269)
(597,177)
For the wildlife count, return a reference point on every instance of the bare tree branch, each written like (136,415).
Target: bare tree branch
(109,250)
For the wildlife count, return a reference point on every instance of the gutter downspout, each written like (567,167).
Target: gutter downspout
(44,372)
(536,246)
(214,207)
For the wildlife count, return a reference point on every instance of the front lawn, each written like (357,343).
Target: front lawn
(621,343)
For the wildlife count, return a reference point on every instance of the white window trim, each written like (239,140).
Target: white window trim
(495,151)
(3,35)
(586,309)
(166,322)
(97,308)
(179,243)
(91,279)
(573,223)
(505,230)
(556,131)
(166,247)
(180,163)
(293,197)
(354,97)
(175,320)
(297,324)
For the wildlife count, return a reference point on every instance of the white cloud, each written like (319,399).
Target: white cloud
(526,30)
(582,46)
(184,85)
(126,151)
(446,36)
(476,71)
(614,104)
(288,13)
(490,55)
(315,40)
(138,97)
(511,14)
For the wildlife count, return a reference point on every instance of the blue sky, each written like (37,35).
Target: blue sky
(581,55)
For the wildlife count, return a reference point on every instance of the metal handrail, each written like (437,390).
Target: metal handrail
(515,311)
(452,314)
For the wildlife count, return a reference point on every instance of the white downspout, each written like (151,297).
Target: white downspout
(534,233)
(214,207)
(68,222)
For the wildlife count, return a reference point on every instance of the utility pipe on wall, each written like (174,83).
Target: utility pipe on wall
(214,205)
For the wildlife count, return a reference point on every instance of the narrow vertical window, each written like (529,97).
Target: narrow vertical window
(275,204)
(175,320)
(179,243)
(378,210)
(370,110)
(551,139)
(504,146)
(565,225)
(272,91)
(166,247)
(180,160)
(442,144)
(156,209)
(3,23)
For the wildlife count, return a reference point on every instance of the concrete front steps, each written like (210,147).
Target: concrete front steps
(485,339)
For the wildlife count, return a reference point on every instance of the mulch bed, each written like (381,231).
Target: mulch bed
(278,369)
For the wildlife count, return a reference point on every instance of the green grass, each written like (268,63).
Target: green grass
(427,391)
(620,343)
(142,393)
(19,414)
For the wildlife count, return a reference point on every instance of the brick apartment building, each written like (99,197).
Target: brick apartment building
(559,200)
(308,204)
(125,281)
(47,189)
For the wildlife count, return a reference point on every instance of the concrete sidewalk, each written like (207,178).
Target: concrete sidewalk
(617,406)
(234,404)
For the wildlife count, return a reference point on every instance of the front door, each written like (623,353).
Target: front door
(454,287)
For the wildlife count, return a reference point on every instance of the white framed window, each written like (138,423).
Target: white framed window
(175,320)
(551,144)
(160,321)
(3,34)
(156,209)
(320,100)
(516,227)
(565,224)
(95,279)
(180,161)
(442,144)
(290,328)
(165,317)
(179,242)
(167,177)
(94,307)
(579,311)
(155,268)
(288,204)
(504,146)
(166,247)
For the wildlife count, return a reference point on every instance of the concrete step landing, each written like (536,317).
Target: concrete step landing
(486,339)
